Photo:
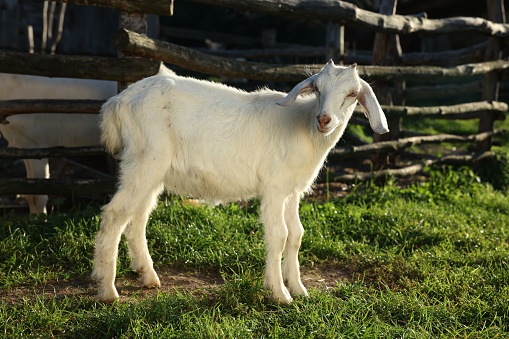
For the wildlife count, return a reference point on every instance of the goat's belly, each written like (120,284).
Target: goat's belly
(214,188)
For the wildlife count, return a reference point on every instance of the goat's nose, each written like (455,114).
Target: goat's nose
(323,121)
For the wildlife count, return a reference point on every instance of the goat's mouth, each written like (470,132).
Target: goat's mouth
(326,130)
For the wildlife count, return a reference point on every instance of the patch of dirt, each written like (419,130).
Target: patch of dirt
(172,278)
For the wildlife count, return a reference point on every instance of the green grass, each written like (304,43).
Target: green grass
(427,261)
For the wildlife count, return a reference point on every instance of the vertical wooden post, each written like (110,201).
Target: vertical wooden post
(496,13)
(334,42)
(136,22)
(387,52)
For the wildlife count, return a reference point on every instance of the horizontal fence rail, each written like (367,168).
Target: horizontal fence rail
(458,160)
(335,11)
(350,151)
(57,186)
(29,106)
(159,7)
(53,152)
(138,45)
(78,66)
(345,12)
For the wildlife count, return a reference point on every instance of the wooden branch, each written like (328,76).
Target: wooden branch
(73,66)
(457,160)
(159,7)
(56,186)
(54,152)
(340,11)
(139,45)
(351,151)
(133,69)
(470,110)
(433,72)
(10,107)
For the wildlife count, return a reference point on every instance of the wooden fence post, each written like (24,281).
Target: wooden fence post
(136,22)
(387,52)
(334,42)
(496,13)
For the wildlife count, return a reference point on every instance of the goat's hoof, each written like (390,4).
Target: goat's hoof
(299,290)
(150,280)
(286,300)
(107,296)
(282,297)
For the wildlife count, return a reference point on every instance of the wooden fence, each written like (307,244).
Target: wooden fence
(477,69)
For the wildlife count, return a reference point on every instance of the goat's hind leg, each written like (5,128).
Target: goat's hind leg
(132,203)
(137,242)
(113,223)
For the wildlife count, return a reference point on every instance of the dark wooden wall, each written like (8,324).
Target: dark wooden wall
(88,30)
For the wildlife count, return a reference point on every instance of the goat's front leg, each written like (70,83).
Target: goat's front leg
(272,215)
(291,270)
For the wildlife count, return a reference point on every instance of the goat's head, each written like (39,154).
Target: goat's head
(338,89)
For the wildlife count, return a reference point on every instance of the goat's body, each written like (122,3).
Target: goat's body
(50,129)
(198,159)
(214,142)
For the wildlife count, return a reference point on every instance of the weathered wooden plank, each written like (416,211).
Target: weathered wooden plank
(457,160)
(28,106)
(141,46)
(473,109)
(74,66)
(352,151)
(53,152)
(341,11)
(159,7)
(56,186)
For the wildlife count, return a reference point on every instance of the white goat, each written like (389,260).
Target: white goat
(48,129)
(211,141)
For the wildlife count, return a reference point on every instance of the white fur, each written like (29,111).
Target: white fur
(214,142)
(47,129)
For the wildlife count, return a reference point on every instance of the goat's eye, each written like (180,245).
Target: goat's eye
(352,95)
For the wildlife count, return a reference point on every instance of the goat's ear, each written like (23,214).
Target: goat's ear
(302,87)
(374,112)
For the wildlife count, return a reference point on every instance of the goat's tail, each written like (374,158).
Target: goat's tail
(110,126)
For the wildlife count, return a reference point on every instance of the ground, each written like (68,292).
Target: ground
(172,278)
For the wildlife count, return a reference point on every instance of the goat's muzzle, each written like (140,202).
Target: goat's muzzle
(323,121)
